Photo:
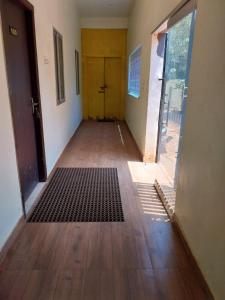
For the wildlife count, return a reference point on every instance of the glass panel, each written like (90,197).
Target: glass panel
(134,73)
(176,73)
(59,66)
(56,66)
(61,70)
(77,66)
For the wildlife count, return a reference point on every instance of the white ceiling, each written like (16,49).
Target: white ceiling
(105,8)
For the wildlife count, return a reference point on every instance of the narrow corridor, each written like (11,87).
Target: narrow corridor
(142,258)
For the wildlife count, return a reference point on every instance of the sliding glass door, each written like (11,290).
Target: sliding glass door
(177,62)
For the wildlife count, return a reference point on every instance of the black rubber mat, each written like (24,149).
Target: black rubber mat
(80,195)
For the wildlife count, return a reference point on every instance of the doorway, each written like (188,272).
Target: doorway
(22,74)
(104,75)
(175,79)
(104,87)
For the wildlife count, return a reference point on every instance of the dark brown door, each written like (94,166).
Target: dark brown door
(17,54)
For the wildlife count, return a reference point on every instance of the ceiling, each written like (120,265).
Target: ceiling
(105,8)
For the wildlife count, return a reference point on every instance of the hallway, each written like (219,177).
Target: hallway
(141,258)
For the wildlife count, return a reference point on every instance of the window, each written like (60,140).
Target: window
(134,73)
(77,66)
(59,67)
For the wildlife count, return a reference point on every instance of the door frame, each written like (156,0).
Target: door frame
(161,108)
(34,73)
(161,104)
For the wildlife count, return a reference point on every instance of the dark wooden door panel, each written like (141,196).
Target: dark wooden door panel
(20,91)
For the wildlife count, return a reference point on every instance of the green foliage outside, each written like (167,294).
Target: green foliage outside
(178,41)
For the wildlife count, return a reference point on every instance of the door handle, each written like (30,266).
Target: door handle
(34,105)
(37,113)
(101,92)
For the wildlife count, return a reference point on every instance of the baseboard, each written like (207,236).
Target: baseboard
(12,238)
(51,173)
(69,141)
(192,259)
(136,145)
(177,228)
(22,221)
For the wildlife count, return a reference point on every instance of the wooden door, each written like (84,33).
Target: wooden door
(17,54)
(113,86)
(105,43)
(95,87)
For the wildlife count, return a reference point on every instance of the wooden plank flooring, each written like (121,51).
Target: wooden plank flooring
(142,258)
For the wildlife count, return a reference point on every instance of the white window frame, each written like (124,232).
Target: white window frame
(134,91)
(59,67)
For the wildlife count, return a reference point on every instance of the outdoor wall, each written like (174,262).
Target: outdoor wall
(60,122)
(200,206)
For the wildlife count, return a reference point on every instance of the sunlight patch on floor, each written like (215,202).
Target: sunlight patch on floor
(141,172)
(143,176)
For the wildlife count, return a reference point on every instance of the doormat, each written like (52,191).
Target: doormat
(80,195)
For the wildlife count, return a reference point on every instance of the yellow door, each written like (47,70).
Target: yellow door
(113,86)
(95,94)
(109,45)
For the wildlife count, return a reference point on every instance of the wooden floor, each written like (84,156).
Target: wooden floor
(141,258)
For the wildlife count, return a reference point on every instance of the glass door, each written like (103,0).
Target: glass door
(177,62)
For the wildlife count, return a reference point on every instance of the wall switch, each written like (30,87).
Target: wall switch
(46,61)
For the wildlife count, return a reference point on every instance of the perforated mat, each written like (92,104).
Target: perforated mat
(80,195)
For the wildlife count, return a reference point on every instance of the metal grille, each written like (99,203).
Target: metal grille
(80,195)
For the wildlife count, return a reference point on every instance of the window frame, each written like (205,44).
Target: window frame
(59,67)
(135,94)
(77,69)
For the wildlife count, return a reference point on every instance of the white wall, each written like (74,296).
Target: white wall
(200,206)
(100,22)
(59,122)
